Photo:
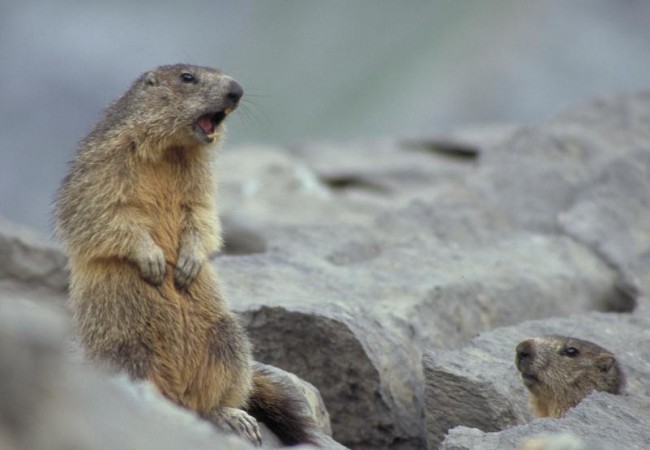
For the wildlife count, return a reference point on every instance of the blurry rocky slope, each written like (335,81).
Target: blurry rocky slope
(349,262)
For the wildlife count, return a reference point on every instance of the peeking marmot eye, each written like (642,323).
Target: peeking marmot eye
(571,352)
(188,78)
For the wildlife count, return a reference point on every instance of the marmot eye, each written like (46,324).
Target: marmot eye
(188,78)
(571,352)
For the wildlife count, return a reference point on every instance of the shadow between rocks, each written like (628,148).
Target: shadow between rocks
(344,182)
(241,240)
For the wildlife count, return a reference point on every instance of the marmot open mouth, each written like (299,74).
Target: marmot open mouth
(209,122)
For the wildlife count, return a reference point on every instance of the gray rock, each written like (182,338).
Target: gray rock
(51,400)
(30,357)
(393,171)
(536,174)
(438,239)
(582,173)
(343,355)
(261,186)
(350,309)
(49,403)
(607,214)
(29,259)
(467,142)
(558,441)
(313,183)
(479,387)
(348,260)
(601,422)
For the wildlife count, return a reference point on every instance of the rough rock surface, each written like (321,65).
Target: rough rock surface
(478,386)
(30,259)
(373,252)
(349,261)
(600,422)
(355,329)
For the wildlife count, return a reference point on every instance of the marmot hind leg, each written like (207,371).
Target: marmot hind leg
(133,357)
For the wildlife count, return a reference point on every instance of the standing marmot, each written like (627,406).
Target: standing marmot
(560,371)
(137,216)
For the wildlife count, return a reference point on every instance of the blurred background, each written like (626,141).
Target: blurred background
(312,70)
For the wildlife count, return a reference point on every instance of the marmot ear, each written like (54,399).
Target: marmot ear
(605,362)
(150,79)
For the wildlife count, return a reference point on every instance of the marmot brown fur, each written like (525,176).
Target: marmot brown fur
(560,371)
(138,220)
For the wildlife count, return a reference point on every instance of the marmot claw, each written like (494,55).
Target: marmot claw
(187,268)
(152,266)
(239,422)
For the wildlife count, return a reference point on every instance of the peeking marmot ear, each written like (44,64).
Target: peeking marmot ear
(605,362)
(150,79)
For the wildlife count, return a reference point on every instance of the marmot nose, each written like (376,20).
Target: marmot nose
(524,351)
(235,92)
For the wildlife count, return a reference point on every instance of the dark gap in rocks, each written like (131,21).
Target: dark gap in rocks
(446,147)
(240,240)
(351,181)
(624,297)
(625,292)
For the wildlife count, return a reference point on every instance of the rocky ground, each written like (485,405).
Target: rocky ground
(396,277)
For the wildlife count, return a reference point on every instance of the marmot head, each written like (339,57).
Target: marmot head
(181,104)
(560,371)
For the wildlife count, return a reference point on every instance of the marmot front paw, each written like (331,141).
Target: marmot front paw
(187,267)
(152,266)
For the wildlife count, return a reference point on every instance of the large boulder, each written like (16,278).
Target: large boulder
(538,172)
(582,173)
